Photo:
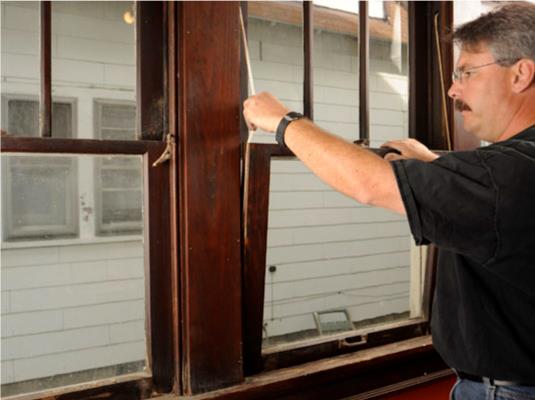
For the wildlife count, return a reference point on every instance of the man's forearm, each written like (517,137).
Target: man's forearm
(348,168)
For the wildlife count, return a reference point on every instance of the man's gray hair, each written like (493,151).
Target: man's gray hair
(508,30)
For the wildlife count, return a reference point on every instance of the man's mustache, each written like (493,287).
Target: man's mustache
(461,106)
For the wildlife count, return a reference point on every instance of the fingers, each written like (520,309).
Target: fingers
(399,145)
(393,157)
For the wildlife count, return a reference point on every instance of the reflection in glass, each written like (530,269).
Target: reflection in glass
(73,311)
(333,265)
(275,36)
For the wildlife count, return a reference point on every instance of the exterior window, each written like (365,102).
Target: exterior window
(119,179)
(77,304)
(336,274)
(41,208)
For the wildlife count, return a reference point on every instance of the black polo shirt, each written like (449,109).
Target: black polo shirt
(478,207)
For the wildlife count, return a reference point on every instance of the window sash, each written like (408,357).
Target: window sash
(255,210)
(255,250)
(152,86)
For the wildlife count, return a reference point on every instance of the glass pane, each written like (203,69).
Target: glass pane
(336,67)
(119,187)
(22,116)
(72,311)
(93,57)
(333,265)
(275,36)
(116,121)
(39,197)
(20,65)
(389,72)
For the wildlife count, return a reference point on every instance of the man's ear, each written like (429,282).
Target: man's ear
(524,74)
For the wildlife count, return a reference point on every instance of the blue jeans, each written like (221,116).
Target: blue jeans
(465,389)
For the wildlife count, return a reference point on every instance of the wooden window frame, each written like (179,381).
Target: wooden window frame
(160,282)
(198,280)
(255,204)
(255,250)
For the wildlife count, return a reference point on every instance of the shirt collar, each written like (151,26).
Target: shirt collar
(526,134)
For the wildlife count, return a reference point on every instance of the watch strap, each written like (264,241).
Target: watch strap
(283,124)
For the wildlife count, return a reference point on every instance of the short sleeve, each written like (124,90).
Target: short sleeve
(451,202)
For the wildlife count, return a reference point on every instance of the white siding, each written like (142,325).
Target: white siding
(68,314)
(329,251)
(71,305)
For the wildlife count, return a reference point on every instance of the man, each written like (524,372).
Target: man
(476,206)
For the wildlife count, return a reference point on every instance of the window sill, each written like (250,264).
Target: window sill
(69,242)
(341,336)
(382,369)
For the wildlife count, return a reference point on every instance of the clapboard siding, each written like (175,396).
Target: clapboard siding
(328,250)
(71,306)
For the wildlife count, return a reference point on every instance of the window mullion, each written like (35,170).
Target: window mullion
(364,72)
(45,103)
(308,43)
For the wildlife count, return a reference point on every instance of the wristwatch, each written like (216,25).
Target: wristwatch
(283,124)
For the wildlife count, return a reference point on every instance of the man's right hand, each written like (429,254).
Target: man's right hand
(263,111)
(409,149)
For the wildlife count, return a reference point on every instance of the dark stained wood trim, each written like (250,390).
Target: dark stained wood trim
(445,10)
(135,390)
(417,63)
(244,82)
(45,103)
(174,217)
(76,146)
(308,47)
(159,273)
(329,348)
(158,245)
(255,245)
(426,119)
(210,195)
(150,42)
(363,373)
(364,72)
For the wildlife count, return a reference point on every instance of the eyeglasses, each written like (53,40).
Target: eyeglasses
(462,74)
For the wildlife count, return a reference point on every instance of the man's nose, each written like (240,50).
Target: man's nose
(454,90)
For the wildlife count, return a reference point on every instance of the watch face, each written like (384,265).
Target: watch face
(292,116)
